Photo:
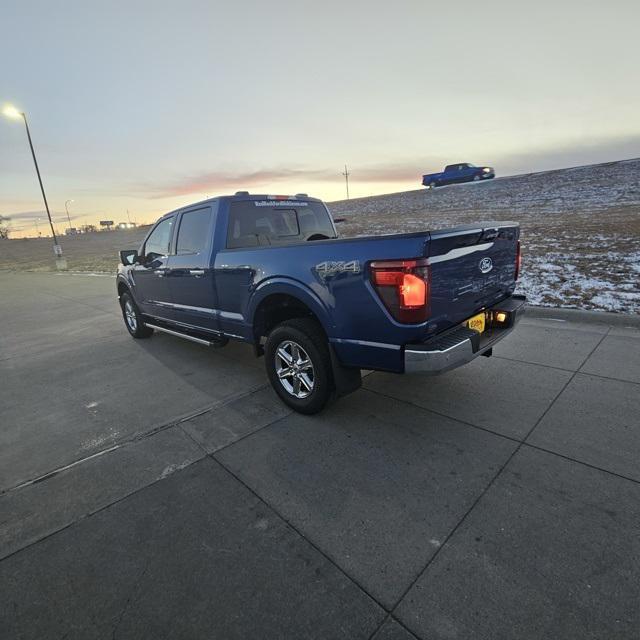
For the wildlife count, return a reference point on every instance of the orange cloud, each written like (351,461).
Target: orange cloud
(214,181)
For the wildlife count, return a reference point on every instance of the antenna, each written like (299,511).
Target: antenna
(346,175)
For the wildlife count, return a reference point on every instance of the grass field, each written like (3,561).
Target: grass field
(91,252)
(580,231)
(580,228)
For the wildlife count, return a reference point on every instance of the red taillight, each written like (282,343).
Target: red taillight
(413,292)
(386,278)
(518,260)
(403,286)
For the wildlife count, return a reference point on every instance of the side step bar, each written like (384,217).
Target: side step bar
(208,343)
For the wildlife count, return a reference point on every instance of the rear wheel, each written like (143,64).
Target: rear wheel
(299,366)
(132,317)
(433,185)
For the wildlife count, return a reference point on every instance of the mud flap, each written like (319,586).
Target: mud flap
(346,380)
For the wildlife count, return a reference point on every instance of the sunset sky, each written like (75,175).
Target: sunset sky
(147,106)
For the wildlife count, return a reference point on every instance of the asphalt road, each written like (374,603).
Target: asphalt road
(158,489)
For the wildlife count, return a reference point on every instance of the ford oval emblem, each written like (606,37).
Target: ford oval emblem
(486,264)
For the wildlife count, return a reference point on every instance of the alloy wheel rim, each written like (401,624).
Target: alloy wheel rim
(130,316)
(294,369)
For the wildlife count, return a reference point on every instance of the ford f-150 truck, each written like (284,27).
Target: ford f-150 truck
(270,271)
(461,172)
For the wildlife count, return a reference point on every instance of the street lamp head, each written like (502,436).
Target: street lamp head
(11,112)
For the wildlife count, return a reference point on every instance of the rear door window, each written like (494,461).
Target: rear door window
(193,232)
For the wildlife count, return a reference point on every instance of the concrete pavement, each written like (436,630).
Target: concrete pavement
(157,488)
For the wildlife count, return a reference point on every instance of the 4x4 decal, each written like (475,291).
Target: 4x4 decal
(330,268)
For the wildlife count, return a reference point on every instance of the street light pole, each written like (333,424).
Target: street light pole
(66,206)
(35,162)
(12,112)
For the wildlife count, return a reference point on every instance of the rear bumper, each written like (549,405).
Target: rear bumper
(461,345)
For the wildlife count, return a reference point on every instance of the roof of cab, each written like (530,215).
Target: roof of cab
(244,195)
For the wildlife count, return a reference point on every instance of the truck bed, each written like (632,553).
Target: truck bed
(333,277)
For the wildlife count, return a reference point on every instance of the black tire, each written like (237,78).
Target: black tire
(132,318)
(293,386)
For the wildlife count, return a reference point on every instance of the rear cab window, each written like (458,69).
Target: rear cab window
(254,223)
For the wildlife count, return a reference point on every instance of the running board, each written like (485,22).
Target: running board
(208,343)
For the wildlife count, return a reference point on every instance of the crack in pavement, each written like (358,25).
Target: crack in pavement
(128,600)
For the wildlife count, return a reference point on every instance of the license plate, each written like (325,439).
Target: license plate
(476,323)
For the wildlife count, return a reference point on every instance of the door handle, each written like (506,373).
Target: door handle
(162,272)
(196,272)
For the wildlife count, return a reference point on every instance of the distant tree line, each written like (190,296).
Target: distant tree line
(4,227)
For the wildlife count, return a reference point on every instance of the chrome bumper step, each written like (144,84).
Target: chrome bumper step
(461,345)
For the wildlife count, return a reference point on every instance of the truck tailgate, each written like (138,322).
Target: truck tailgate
(471,268)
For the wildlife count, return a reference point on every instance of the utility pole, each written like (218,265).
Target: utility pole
(66,206)
(346,175)
(128,216)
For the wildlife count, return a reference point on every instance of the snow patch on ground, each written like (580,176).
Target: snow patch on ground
(580,228)
(99,440)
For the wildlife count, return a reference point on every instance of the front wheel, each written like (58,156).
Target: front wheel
(299,366)
(476,178)
(132,317)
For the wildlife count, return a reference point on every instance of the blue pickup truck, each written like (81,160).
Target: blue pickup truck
(271,271)
(461,172)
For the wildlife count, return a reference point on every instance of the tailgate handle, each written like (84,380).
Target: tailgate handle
(490,234)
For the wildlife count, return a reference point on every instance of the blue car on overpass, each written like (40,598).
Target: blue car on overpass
(460,172)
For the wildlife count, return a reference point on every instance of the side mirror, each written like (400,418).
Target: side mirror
(129,257)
